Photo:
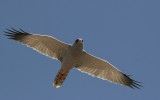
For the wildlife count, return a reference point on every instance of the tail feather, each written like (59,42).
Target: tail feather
(59,79)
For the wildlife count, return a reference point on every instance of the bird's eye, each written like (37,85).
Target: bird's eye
(76,40)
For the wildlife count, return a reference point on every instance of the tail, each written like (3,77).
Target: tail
(61,76)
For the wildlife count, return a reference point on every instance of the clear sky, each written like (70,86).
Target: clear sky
(124,32)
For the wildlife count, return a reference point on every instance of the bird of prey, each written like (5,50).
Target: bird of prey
(71,56)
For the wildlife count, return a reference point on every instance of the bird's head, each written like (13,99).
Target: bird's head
(78,43)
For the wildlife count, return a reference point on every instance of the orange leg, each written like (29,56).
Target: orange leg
(60,78)
(65,74)
(60,74)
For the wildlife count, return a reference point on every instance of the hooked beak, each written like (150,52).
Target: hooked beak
(80,41)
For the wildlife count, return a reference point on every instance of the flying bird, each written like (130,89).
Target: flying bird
(71,56)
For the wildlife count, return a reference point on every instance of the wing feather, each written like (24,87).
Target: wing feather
(44,44)
(102,69)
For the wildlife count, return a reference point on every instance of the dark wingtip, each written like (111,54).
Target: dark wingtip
(132,83)
(12,33)
(135,84)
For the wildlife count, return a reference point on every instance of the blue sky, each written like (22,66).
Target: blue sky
(124,32)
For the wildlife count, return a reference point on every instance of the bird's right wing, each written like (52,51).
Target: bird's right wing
(44,44)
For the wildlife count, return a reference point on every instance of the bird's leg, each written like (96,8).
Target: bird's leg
(60,74)
(65,74)
(60,78)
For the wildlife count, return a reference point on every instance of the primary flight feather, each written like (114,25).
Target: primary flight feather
(71,56)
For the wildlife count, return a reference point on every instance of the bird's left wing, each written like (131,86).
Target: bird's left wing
(102,69)
(44,44)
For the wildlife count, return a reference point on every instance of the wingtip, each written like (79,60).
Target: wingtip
(132,83)
(135,84)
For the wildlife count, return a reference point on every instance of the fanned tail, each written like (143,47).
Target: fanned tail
(61,76)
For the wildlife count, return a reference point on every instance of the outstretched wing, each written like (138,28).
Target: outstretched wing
(44,44)
(104,70)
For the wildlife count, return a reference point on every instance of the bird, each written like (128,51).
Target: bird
(71,56)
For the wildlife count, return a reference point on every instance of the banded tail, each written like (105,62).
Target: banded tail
(60,78)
